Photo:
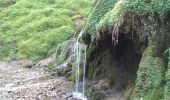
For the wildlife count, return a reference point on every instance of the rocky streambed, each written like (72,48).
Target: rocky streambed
(18,83)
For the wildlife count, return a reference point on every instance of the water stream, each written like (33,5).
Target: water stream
(84,71)
(80,49)
(80,55)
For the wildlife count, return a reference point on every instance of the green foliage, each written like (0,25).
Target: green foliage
(94,95)
(6,3)
(100,9)
(97,96)
(167,89)
(148,6)
(103,16)
(167,85)
(61,52)
(43,42)
(151,13)
(149,76)
(112,16)
(37,26)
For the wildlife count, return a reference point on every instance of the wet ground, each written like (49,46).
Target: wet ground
(17,83)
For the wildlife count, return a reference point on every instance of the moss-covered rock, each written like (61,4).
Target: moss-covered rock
(150,75)
(114,17)
(99,10)
(64,56)
(167,78)
(138,23)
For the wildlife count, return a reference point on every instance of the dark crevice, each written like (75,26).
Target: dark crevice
(118,63)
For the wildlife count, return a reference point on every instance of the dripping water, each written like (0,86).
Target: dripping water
(79,48)
(84,71)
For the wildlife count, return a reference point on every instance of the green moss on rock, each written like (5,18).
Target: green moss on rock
(150,75)
(105,19)
(141,20)
(167,77)
(148,6)
(112,16)
(99,10)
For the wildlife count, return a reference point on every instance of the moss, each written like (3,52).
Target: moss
(91,71)
(97,96)
(150,75)
(102,70)
(61,52)
(148,20)
(105,19)
(64,51)
(112,16)
(99,10)
(158,94)
(167,77)
(148,6)
(167,92)
(93,94)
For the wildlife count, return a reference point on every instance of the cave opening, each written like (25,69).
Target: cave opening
(127,54)
(118,63)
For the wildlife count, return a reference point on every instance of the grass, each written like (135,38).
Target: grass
(36,27)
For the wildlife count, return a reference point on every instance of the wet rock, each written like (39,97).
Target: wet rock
(61,70)
(26,63)
(9,91)
(101,85)
(68,96)
(51,61)
(64,57)
(78,23)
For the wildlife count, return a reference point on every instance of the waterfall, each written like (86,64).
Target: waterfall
(84,71)
(79,48)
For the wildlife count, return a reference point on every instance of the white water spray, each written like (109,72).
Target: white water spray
(80,94)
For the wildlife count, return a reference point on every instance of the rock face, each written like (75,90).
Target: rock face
(127,46)
(65,56)
(101,85)
(60,64)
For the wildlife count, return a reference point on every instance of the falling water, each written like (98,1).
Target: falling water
(84,71)
(78,56)
(79,47)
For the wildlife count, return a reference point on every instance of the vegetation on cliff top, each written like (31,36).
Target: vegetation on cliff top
(107,16)
(32,29)
(100,9)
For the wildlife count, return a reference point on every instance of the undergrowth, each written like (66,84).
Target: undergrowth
(31,29)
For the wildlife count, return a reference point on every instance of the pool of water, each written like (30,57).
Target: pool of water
(79,95)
